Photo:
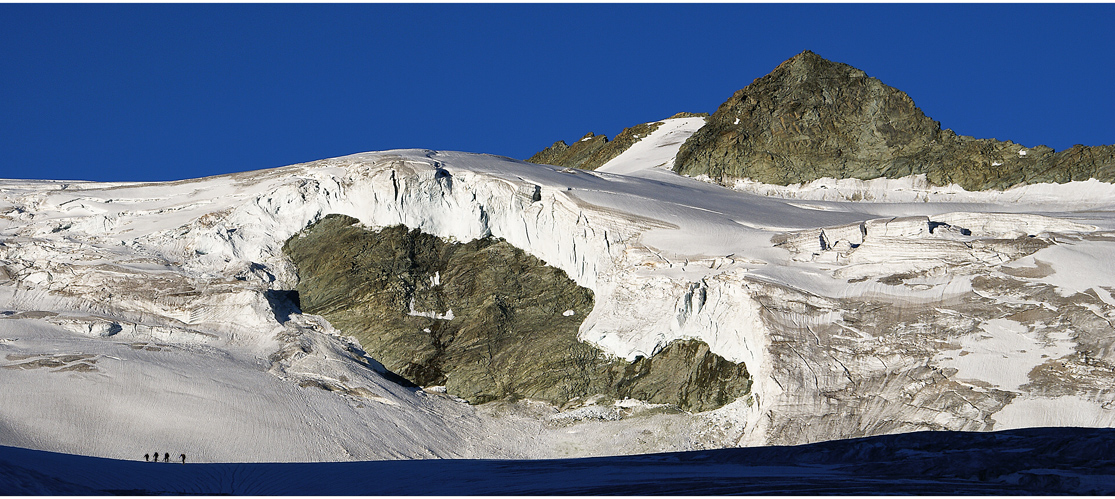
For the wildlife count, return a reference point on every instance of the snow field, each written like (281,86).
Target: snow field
(233,375)
(656,150)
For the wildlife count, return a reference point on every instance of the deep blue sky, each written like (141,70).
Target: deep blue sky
(160,92)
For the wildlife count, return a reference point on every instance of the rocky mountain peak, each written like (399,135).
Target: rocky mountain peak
(808,64)
(812,118)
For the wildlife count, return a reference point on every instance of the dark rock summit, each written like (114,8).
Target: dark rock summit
(812,118)
(486,320)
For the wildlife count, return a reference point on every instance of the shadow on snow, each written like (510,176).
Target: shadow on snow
(1028,461)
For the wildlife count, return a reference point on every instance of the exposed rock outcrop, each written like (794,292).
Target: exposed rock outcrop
(574,156)
(812,118)
(684,114)
(486,320)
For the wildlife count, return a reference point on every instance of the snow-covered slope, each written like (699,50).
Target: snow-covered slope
(656,150)
(143,317)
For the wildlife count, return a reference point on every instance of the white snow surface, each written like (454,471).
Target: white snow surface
(656,150)
(144,316)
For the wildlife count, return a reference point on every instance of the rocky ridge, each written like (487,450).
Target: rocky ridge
(592,151)
(812,118)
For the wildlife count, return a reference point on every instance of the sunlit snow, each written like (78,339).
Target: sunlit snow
(151,316)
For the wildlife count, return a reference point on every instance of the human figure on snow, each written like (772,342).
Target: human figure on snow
(166,457)
(183,459)
(147,457)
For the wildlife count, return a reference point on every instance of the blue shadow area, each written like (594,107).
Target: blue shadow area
(1040,461)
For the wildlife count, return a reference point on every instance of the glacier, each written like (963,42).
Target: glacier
(144,315)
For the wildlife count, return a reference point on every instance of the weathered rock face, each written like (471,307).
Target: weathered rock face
(685,368)
(486,320)
(812,118)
